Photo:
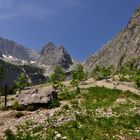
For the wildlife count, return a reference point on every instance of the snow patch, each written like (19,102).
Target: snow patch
(4,56)
(32,62)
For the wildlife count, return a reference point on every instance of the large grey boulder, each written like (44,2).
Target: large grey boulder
(36,96)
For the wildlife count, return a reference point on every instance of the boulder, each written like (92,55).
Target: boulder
(36,96)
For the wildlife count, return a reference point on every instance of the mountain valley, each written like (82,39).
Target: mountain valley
(47,95)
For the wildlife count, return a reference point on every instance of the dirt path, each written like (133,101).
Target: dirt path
(111,84)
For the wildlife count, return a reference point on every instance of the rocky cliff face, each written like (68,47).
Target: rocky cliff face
(14,61)
(33,55)
(11,72)
(124,47)
(53,56)
(8,47)
(50,55)
(11,48)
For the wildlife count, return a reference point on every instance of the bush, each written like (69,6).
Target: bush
(9,135)
(53,104)
(136,78)
(4,108)
(31,108)
(66,95)
(123,77)
(77,76)
(102,72)
(58,75)
(22,82)
(18,107)
(18,114)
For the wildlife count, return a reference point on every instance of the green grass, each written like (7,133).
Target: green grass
(97,113)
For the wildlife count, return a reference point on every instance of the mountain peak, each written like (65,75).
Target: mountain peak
(52,55)
(48,48)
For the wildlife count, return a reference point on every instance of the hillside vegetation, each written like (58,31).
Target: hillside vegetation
(95,114)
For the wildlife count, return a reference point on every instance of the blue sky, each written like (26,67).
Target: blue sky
(81,26)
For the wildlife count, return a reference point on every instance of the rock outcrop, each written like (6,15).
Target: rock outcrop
(33,55)
(36,95)
(53,56)
(123,48)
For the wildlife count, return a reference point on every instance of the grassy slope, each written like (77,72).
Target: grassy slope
(97,113)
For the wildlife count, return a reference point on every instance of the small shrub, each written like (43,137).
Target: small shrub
(77,76)
(136,79)
(66,95)
(9,135)
(18,107)
(22,82)
(30,108)
(122,77)
(102,72)
(66,107)
(53,104)
(58,75)
(18,114)
(4,108)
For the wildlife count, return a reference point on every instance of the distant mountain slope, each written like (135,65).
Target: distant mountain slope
(124,47)
(33,55)
(11,73)
(9,47)
(52,55)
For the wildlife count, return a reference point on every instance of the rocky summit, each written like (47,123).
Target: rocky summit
(121,49)
(52,55)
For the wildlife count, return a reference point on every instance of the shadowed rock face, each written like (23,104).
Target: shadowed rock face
(124,47)
(51,55)
(1,55)
(11,72)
